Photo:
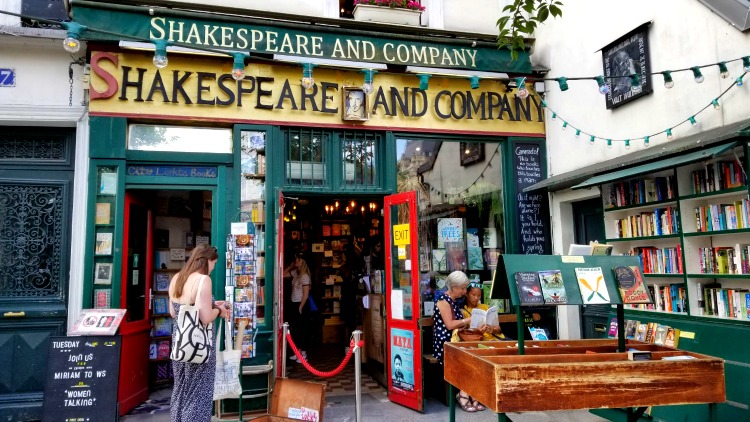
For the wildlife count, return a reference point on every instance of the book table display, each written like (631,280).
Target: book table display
(578,374)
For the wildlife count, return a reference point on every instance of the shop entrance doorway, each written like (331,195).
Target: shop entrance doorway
(339,239)
(161,227)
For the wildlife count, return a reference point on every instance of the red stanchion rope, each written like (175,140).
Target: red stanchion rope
(315,371)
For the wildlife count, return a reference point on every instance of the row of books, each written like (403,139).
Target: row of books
(659,260)
(723,216)
(641,191)
(718,176)
(667,298)
(661,221)
(649,332)
(724,302)
(337,229)
(547,287)
(725,259)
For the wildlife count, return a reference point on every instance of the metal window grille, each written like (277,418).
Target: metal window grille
(359,158)
(306,156)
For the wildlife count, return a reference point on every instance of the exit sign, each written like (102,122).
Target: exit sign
(7,77)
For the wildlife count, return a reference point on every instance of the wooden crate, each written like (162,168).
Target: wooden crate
(580,374)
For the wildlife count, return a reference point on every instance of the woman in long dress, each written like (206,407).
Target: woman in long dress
(193,390)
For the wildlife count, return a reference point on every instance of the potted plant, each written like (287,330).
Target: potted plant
(402,12)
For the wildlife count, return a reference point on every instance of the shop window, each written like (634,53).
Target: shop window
(306,157)
(460,207)
(359,158)
(179,139)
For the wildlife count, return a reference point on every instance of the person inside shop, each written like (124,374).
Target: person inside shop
(377,261)
(299,312)
(193,390)
(447,317)
(473,297)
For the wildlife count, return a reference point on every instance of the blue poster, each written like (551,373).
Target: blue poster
(402,359)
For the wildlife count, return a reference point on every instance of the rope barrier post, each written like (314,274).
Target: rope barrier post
(357,376)
(284,330)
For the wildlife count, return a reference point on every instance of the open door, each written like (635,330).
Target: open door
(404,360)
(135,296)
(279,286)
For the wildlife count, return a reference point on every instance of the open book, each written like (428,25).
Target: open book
(593,248)
(480,317)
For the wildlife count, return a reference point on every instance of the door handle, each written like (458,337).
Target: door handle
(14,314)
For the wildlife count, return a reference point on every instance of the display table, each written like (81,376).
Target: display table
(580,374)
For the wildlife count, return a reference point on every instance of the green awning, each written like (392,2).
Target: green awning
(657,165)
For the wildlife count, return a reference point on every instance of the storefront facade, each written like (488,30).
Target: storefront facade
(179,153)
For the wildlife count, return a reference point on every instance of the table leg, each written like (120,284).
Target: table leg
(451,404)
(633,414)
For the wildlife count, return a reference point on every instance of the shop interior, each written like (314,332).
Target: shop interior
(341,241)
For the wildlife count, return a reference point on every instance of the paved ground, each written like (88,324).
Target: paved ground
(376,407)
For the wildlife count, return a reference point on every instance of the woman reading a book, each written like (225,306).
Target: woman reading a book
(447,318)
(473,295)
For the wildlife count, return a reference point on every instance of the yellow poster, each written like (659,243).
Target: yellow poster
(401,234)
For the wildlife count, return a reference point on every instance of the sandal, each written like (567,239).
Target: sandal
(478,406)
(466,404)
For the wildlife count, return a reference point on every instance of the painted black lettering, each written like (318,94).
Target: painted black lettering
(493,100)
(400,103)
(381,101)
(539,110)
(225,89)
(286,93)
(520,108)
(505,108)
(309,96)
(158,85)
(241,90)
(475,107)
(324,87)
(423,95)
(203,76)
(437,105)
(177,83)
(263,93)
(454,105)
(138,85)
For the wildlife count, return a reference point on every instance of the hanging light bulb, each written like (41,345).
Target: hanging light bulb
(563,82)
(669,134)
(424,81)
(72,41)
(367,87)
(645,141)
(715,103)
(238,67)
(635,80)
(565,125)
(337,204)
(474,82)
(160,53)
(603,87)
(307,78)
(627,144)
(739,80)
(592,139)
(692,120)
(578,133)
(609,143)
(544,104)
(723,71)
(554,115)
(697,74)
(746,63)
(521,90)
(668,82)
(352,204)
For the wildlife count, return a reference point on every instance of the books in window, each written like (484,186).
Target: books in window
(592,285)
(480,317)
(160,305)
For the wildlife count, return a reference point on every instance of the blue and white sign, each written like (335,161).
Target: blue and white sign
(7,77)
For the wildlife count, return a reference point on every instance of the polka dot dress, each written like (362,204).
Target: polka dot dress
(441,334)
(193,390)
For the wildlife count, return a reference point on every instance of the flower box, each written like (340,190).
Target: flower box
(394,15)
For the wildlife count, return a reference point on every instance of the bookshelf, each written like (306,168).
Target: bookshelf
(104,224)
(689,225)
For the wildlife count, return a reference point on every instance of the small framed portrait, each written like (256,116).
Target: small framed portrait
(354,105)
(628,55)
(103,273)
(471,152)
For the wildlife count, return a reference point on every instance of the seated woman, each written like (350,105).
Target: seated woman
(447,318)
(473,295)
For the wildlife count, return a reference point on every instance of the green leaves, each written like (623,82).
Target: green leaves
(520,20)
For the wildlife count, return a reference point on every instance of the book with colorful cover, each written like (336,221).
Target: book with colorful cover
(631,326)
(529,290)
(592,285)
(640,332)
(661,334)
(630,284)
(553,288)
(161,305)
(673,337)
(612,333)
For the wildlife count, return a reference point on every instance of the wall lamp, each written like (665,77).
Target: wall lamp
(424,81)
(160,53)
(521,90)
(72,41)
(474,82)
(307,78)
(238,67)
(367,87)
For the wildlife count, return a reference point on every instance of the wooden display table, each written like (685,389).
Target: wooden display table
(580,374)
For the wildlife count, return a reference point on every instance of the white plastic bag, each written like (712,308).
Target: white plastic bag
(227,383)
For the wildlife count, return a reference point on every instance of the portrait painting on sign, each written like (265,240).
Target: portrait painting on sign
(355,104)
(626,67)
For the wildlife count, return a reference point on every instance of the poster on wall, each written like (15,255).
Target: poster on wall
(626,56)
(402,359)
(450,230)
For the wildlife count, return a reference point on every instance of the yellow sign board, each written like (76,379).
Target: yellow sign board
(128,84)
(401,234)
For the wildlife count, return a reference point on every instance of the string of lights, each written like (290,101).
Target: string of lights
(646,138)
(466,190)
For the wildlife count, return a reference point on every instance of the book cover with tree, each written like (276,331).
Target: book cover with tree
(553,287)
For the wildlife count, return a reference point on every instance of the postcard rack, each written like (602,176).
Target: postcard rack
(241,285)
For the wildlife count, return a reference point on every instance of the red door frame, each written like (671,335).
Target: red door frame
(134,362)
(411,399)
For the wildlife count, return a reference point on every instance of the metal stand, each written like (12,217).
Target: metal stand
(284,330)
(357,376)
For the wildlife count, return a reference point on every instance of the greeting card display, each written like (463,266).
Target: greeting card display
(241,286)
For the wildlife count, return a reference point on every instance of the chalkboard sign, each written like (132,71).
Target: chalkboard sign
(82,375)
(532,215)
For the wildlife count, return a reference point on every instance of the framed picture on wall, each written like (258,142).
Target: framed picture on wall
(627,55)
(354,105)
(103,273)
(471,152)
